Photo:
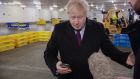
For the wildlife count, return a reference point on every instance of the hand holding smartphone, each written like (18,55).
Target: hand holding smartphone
(65,65)
(63,68)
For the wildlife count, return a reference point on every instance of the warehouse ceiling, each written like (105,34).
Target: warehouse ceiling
(94,4)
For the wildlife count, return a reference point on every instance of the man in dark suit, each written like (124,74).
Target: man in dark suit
(76,40)
(133,31)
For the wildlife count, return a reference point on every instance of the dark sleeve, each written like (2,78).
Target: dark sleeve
(51,52)
(109,50)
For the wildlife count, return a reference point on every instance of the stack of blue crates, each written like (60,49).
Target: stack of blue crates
(122,40)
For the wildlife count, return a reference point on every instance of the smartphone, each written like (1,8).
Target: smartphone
(65,65)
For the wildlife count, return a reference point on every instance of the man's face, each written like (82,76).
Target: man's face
(136,5)
(77,18)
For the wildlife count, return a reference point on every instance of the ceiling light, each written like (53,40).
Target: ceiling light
(97,7)
(55,6)
(0,3)
(91,5)
(51,8)
(112,1)
(61,10)
(123,10)
(124,4)
(13,3)
(23,6)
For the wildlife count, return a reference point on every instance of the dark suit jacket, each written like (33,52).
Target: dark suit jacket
(133,30)
(64,40)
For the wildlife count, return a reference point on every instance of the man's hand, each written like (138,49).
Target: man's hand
(61,69)
(131,59)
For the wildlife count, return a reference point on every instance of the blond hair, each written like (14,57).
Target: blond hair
(79,4)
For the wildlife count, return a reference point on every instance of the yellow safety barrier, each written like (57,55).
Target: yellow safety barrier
(7,47)
(6,43)
(21,39)
(41,22)
(44,35)
(17,40)
(55,21)
(32,36)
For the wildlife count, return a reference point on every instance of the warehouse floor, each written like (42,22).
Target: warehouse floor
(27,63)
(24,63)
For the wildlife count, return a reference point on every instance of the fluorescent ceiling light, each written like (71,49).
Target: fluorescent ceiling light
(51,8)
(124,4)
(61,10)
(0,3)
(13,3)
(123,10)
(112,1)
(97,7)
(23,6)
(91,5)
(55,6)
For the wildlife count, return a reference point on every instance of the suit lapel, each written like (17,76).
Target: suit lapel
(86,34)
(71,35)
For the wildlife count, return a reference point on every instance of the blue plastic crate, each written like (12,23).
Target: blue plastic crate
(122,40)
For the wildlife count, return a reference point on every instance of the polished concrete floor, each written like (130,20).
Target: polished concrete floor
(27,63)
(24,63)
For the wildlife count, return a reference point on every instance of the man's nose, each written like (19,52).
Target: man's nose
(76,20)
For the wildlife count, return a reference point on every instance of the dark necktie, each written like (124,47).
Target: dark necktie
(78,35)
